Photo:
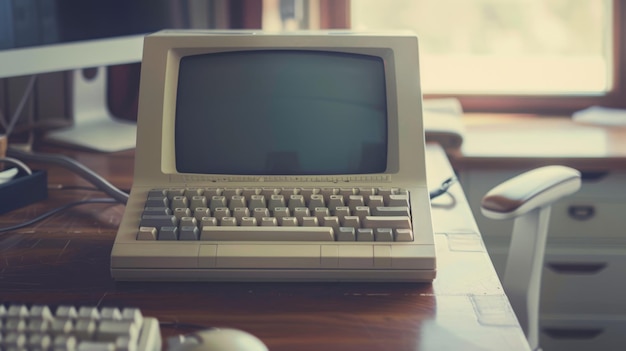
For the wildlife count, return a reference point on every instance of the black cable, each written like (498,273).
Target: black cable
(443,188)
(76,167)
(55,211)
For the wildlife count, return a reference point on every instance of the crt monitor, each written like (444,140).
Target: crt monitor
(39,36)
(222,105)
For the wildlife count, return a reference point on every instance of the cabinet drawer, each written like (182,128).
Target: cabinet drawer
(582,333)
(584,218)
(589,280)
(584,281)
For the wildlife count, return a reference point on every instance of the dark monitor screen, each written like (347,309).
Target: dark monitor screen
(28,23)
(281,112)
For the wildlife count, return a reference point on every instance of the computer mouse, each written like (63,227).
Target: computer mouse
(221,339)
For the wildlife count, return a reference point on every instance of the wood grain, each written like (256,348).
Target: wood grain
(65,260)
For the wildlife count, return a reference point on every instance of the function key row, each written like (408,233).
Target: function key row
(306,192)
(274,201)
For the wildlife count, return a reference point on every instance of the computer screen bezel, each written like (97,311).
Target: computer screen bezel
(155,161)
(69,56)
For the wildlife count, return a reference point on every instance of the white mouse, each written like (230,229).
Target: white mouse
(221,339)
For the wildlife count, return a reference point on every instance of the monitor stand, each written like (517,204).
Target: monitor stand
(93,126)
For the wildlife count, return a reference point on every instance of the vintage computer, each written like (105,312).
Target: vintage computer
(278,157)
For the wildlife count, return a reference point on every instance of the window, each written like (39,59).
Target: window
(502,47)
(546,56)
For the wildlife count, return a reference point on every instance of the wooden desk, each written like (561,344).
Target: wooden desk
(65,260)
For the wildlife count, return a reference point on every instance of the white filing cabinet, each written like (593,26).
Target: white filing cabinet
(583,299)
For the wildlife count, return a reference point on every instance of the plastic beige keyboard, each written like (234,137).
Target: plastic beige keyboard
(67,328)
(276,214)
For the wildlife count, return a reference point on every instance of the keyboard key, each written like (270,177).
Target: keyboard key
(110,330)
(281,212)
(179,202)
(398,200)
(162,210)
(181,212)
(346,234)
(269,222)
(390,211)
(362,212)
(383,234)
(259,213)
(221,212)
(249,192)
(287,221)
(301,212)
(257,201)
(365,234)
(367,192)
(168,233)
(157,221)
(175,192)
(217,202)
(200,212)
(198,201)
(189,233)
(350,221)
(332,222)
(147,233)
(347,192)
(354,201)
(248,222)
(210,192)
(157,201)
(316,200)
(341,212)
(227,222)
(269,192)
(296,201)
(208,222)
(327,192)
(335,201)
(240,212)
(190,193)
(187,222)
(375,201)
(276,201)
(394,222)
(236,201)
(310,222)
(157,193)
(403,235)
(307,192)
(263,233)
(230,192)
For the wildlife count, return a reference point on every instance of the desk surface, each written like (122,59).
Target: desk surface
(65,260)
(528,141)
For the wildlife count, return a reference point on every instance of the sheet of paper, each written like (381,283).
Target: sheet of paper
(601,116)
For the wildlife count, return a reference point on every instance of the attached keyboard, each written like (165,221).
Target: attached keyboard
(42,328)
(277,214)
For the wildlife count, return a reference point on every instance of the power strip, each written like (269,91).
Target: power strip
(23,190)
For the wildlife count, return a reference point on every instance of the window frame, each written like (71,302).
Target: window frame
(335,14)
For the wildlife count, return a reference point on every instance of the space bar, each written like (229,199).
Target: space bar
(267,233)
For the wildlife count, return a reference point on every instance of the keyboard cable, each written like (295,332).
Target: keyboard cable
(443,188)
(74,166)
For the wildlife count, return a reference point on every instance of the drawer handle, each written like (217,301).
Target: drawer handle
(581,212)
(577,268)
(573,333)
